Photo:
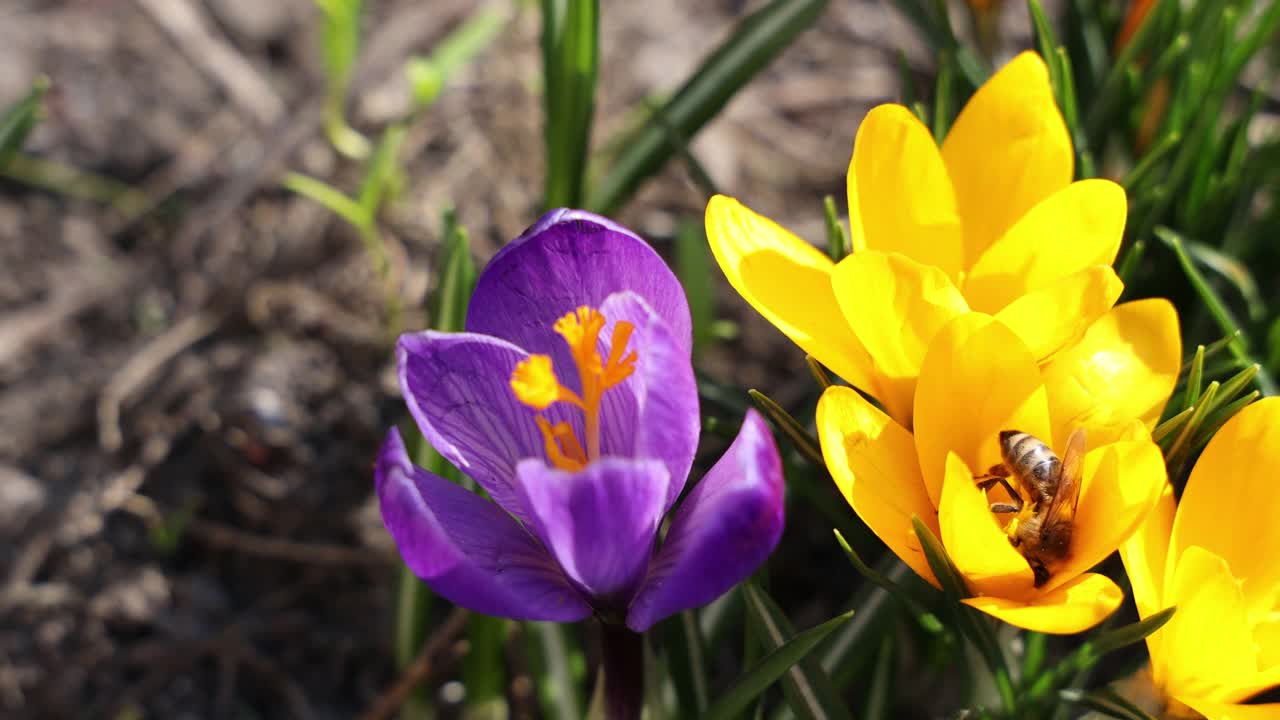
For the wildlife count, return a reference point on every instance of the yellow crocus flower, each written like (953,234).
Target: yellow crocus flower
(979,378)
(990,222)
(1213,555)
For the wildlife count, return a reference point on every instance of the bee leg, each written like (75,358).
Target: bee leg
(1016,506)
(995,471)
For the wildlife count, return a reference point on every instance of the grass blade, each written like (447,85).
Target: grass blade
(1217,309)
(769,668)
(838,246)
(943,569)
(1195,379)
(553,654)
(429,75)
(333,199)
(879,694)
(483,668)
(805,443)
(17,121)
(457,277)
(1092,651)
(807,688)
(340,43)
(758,39)
(384,178)
(686,663)
(927,620)
(570,54)
(694,267)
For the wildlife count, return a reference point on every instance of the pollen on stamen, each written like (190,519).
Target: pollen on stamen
(580,328)
(534,382)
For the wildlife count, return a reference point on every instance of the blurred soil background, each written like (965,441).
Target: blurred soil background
(194,374)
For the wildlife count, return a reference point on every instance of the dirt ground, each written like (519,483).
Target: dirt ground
(193,376)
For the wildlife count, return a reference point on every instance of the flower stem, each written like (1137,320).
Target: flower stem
(623,661)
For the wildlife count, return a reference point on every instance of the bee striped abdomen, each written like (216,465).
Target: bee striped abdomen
(1032,461)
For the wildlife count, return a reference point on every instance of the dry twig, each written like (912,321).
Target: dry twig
(420,669)
(281,549)
(142,367)
(192,34)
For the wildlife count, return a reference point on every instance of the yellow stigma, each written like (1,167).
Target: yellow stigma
(535,384)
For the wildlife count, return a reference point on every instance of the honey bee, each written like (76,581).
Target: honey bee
(1046,504)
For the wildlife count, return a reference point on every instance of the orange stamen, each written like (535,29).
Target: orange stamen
(619,368)
(563,449)
(535,384)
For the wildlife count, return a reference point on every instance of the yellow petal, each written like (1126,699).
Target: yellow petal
(977,545)
(788,281)
(900,198)
(1071,608)
(1075,228)
(1007,151)
(895,306)
(871,459)
(1124,367)
(1266,638)
(1230,506)
(1122,484)
(1144,555)
(1213,710)
(1207,644)
(976,379)
(1052,317)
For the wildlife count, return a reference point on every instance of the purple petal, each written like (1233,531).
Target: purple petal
(654,414)
(725,528)
(567,259)
(600,523)
(466,548)
(457,386)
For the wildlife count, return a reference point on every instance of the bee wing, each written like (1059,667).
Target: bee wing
(1063,507)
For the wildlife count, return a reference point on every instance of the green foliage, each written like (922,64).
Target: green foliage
(757,40)
(382,181)
(686,662)
(483,667)
(1044,687)
(413,606)
(926,619)
(570,53)
(783,421)
(787,651)
(384,176)
(694,266)
(340,47)
(17,121)
(805,684)
(428,75)
(557,668)
(838,244)
(933,21)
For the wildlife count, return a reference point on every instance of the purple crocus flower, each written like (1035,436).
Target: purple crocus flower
(571,401)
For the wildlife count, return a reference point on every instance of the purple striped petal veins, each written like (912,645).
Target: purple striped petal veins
(571,401)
